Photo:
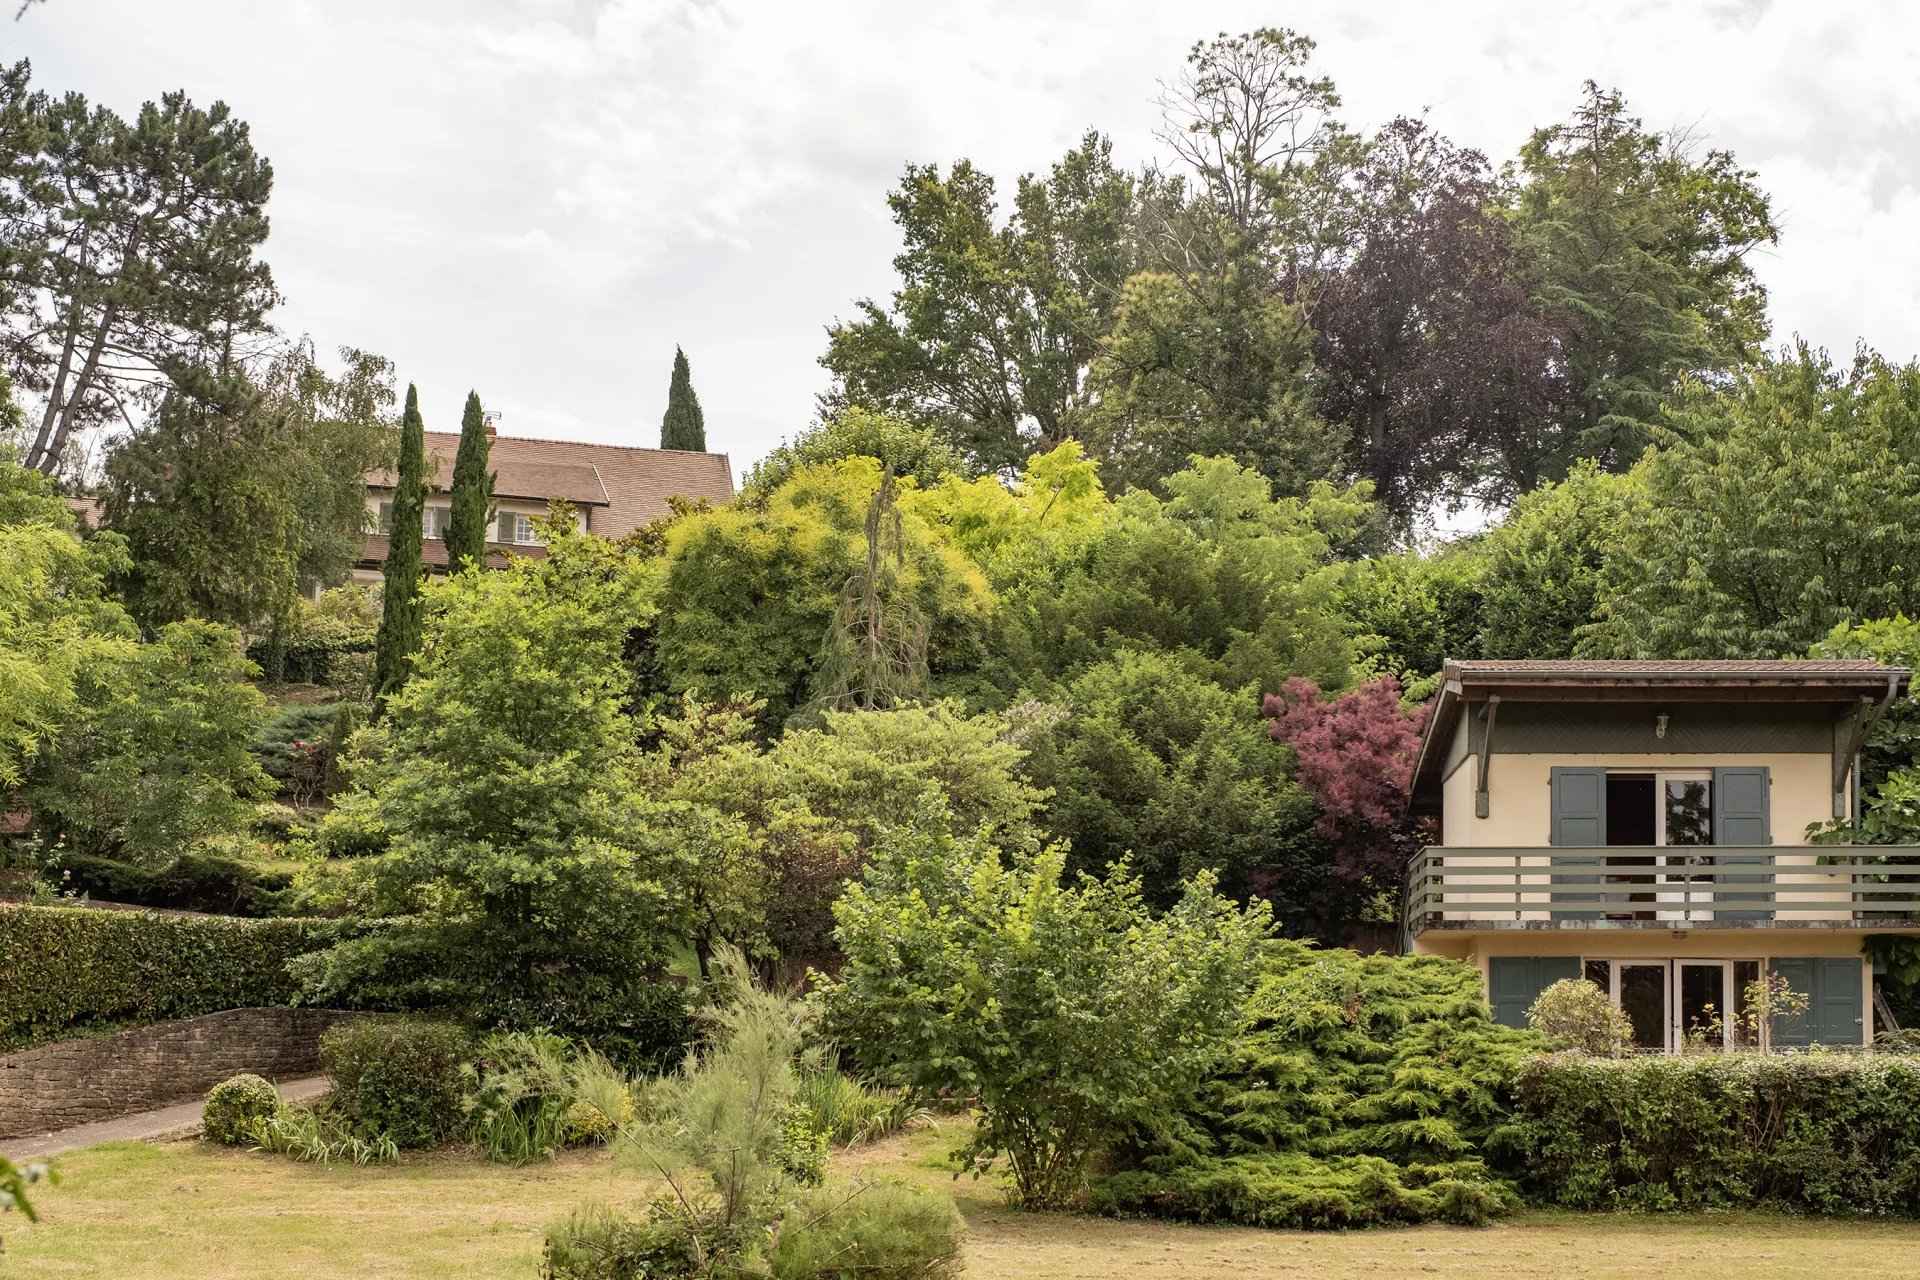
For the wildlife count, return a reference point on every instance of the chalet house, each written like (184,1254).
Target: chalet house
(1644,825)
(613,489)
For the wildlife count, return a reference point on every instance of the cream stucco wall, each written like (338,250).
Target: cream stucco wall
(1520,802)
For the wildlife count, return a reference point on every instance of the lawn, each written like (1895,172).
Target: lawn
(185,1210)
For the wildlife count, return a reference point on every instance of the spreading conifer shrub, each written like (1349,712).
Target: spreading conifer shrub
(1359,1092)
(1814,1133)
(78,970)
(191,882)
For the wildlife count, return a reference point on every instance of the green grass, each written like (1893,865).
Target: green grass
(187,1210)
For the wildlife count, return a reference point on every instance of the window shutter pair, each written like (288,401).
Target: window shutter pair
(1515,982)
(1741,818)
(1835,992)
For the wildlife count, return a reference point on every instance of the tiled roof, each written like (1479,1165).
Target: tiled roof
(626,487)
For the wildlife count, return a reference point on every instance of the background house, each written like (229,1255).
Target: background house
(1645,825)
(614,490)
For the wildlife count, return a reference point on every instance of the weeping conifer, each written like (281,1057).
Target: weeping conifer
(472,491)
(875,652)
(399,637)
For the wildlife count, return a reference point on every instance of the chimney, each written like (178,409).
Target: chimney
(493,423)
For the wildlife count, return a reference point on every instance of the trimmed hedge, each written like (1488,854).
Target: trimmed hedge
(1818,1133)
(191,882)
(76,970)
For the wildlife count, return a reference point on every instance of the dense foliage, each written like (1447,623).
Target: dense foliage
(1815,1133)
(194,881)
(72,970)
(399,636)
(1360,1090)
(234,1105)
(1787,503)
(397,1078)
(1069,1012)
(472,487)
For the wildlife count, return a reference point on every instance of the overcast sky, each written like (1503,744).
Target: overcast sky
(539,198)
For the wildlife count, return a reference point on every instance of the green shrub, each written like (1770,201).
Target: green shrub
(76,970)
(1820,1132)
(844,1110)
(1576,1014)
(191,882)
(234,1104)
(595,1243)
(398,1078)
(531,1093)
(318,1137)
(1301,1191)
(886,1231)
(1359,1091)
(287,741)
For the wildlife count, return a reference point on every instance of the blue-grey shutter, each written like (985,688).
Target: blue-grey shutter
(1742,807)
(1515,982)
(503,527)
(1839,1002)
(1579,819)
(1836,1002)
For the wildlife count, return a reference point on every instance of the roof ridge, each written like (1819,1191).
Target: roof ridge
(595,444)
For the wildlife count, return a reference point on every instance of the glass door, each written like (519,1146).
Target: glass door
(1640,989)
(1684,821)
(1702,1003)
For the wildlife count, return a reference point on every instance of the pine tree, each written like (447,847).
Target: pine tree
(683,426)
(472,491)
(399,637)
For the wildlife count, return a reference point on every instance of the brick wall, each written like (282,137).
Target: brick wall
(77,1081)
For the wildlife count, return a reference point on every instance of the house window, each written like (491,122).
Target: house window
(433,522)
(516,527)
(386,518)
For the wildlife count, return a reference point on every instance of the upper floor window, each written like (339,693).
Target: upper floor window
(516,527)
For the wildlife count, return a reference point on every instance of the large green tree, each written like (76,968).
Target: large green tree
(1143,756)
(233,502)
(1637,244)
(133,264)
(1787,503)
(527,866)
(472,491)
(399,637)
(683,426)
(990,333)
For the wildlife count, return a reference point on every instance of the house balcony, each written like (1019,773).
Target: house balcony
(1868,887)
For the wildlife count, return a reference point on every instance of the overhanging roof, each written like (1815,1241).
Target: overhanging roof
(1833,680)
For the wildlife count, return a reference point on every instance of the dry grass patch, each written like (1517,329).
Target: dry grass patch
(183,1210)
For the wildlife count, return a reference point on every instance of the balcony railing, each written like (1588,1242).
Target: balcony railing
(1719,886)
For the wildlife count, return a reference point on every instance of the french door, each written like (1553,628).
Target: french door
(1666,1000)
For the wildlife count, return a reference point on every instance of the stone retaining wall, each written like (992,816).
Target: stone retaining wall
(74,1082)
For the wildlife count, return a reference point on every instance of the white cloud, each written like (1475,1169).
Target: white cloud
(541,197)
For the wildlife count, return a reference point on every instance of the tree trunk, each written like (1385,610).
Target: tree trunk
(80,386)
(38,455)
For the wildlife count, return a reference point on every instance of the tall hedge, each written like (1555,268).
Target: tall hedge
(1817,1133)
(73,970)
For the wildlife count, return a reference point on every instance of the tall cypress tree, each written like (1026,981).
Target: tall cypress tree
(399,637)
(683,426)
(472,491)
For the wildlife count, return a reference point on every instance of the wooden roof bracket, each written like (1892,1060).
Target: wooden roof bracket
(1484,767)
(1846,754)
